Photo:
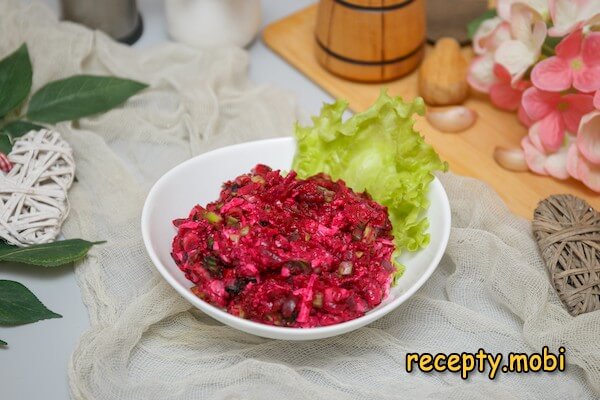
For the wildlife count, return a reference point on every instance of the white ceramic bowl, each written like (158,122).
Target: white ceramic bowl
(198,181)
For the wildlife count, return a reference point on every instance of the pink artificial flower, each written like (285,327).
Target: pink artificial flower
(588,137)
(577,63)
(557,114)
(503,93)
(541,161)
(490,34)
(583,170)
(523,117)
(540,6)
(570,15)
(528,31)
(583,161)
(5,164)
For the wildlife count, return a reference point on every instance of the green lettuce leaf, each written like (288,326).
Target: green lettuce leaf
(377,151)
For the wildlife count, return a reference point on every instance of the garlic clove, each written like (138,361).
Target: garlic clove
(511,159)
(451,119)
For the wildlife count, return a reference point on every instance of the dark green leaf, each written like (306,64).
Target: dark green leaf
(476,23)
(549,46)
(15,79)
(3,343)
(5,144)
(19,306)
(17,129)
(80,96)
(47,255)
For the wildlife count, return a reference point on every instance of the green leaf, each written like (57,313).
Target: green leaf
(15,79)
(377,151)
(13,130)
(476,23)
(19,306)
(5,144)
(48,254)
(3,343)
(17,129)
(80,96)
(549,46)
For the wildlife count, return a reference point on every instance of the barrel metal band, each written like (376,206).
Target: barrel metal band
(330,52)
(374,8)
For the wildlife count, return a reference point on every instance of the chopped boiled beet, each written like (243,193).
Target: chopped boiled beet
(286,251)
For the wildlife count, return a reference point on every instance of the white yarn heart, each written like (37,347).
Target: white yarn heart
(33,195)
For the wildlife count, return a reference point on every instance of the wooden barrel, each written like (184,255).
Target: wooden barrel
(370,40)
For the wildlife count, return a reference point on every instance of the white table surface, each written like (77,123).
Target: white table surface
(34,364)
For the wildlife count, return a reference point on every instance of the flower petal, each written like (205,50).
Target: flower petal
(573,162)
(565,15)
(597,100)
(538,104)
(588,10)
(541,6)
(556,164)
(534,137)
(527,25)
(586,79)
(570,46)
(533,157)
(481,73)
(578,106)
(540,30)
(569,15)
(553,74)
(585,171)
(502,73)
(520,22)
(503,8)
(552,131)
(516,57)
(588,137)
(504,96)
(528,32)
(523,117)
(590,50)
(490,34)
(483,33)
(540,161)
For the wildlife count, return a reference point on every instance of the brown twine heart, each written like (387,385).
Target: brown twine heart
(567,230)
(33,195)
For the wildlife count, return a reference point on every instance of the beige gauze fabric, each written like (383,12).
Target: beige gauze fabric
(490,291)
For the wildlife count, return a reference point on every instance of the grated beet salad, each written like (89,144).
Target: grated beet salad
(286,251)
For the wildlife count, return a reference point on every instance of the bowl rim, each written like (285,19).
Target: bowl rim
(270,331)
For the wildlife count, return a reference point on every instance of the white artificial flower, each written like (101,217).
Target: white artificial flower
(528,31)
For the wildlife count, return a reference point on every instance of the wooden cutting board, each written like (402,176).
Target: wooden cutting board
(468,153)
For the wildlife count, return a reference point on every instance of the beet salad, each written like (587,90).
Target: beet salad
(286,251)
